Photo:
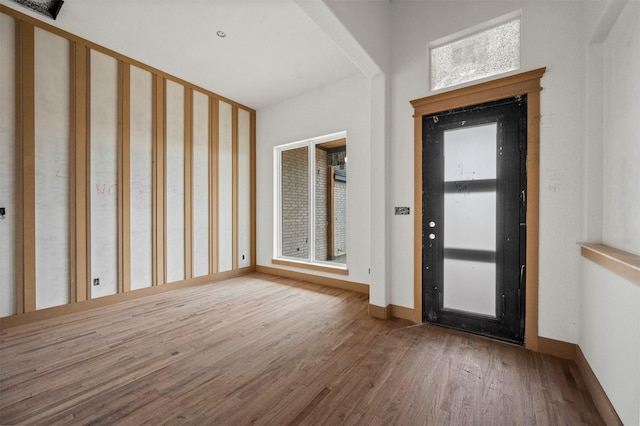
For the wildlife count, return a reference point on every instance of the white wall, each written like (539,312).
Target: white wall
(369,23)
(201,183)
(225,191)
(552,38)
(141,169)
(610,305)
(621,142)
(610,336)
(344,105)
(104,174)
(52,168)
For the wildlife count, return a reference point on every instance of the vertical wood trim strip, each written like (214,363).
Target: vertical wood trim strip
(88,192)
(533,220)
(119,193)
(19,156)
(72,175)
(188,183)
(214,119)
(79,172)
(163,188)
(158,179)
(417,219)
(252,183)
(84,164)
(154,179)
(162,179)
(27,113)
(124,178)
(234,186)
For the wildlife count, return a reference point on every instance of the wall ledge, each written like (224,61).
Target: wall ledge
(620,262)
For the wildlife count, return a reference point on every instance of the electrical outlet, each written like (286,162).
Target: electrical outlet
(96,281)
(243,257)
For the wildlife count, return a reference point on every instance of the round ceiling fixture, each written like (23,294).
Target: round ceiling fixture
(221,34)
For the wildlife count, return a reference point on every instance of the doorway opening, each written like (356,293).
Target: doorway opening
(474,213)
(523,84)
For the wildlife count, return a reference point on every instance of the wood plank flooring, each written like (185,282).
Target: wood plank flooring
(267,350)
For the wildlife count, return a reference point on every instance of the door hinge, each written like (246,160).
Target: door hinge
(504,304)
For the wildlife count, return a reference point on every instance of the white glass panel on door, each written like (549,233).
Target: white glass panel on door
(470,286)
(470,153)
(52,169)
(200,184)
(225,188)
(175,182)
(7,164)
(470,218)
(141,146)
(104,174)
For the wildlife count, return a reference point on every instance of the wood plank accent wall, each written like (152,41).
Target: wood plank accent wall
(79,219)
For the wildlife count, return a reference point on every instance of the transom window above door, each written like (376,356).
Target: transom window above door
(485,50)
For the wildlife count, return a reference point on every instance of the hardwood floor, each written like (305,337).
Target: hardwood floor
(268,350)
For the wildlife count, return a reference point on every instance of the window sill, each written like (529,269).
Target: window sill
(342,270)
(622,263)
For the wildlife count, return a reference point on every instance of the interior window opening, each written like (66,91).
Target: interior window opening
(311,201)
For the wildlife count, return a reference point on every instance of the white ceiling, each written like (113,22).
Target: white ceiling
(272,51)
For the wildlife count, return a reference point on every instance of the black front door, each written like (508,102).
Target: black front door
(474,214)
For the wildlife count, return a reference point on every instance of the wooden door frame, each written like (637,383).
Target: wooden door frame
(527,83)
